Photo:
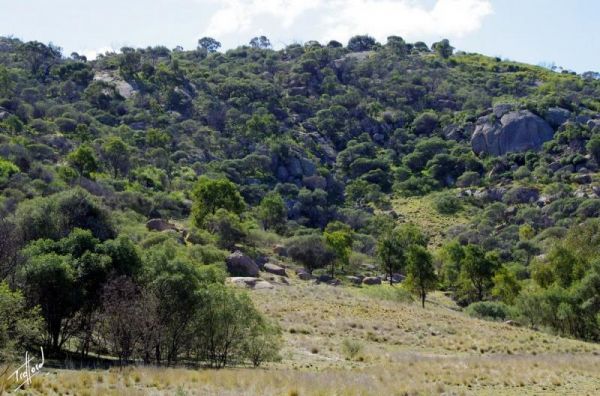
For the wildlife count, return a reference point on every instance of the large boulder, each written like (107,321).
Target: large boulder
(556,116)
(238,264)
(516,131)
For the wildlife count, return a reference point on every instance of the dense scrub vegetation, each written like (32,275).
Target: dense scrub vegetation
(308,145)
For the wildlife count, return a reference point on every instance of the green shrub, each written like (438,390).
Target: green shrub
(447,203)
(490,310)
(351,348)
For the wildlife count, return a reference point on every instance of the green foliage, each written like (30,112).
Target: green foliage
(447,203)
(20,326)
(421,277)
(443,48)
(506,286)
(227,227)
(83,159)
(116,152)
(310,251)
(339,239)
(272,212)
(394,245)
(490,310)
(210,195)
(477,271)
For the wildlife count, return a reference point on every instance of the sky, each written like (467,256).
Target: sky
(533,31)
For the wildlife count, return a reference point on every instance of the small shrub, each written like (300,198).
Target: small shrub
(489,310)
(351,348)
(447,204)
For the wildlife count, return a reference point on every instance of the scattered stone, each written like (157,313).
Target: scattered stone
(238,264)
(160,225)
(250,282)
(372,280)
(274,269)
(303,274)
(582,179)
(357,280)
(324,278)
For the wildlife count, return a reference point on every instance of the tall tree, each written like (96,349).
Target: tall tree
(421,274)
(209,44)
(340,241)
(116,153)
(394,244)
(477,270)
(212,194)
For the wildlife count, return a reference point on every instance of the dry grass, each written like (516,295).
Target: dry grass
(420,211)
(404,349)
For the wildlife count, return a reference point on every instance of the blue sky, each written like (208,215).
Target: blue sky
(532,31)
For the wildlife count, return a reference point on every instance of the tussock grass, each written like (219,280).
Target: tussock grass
(404,349)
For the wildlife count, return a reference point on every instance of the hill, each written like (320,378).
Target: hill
(136,188)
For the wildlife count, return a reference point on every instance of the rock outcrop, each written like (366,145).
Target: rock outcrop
(515,131)
(274,269)
(240,265)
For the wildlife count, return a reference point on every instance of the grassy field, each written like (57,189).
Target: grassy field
(358,341)
(420,211)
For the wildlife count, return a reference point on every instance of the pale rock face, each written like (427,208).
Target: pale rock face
(516,131)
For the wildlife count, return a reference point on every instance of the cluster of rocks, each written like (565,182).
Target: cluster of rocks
(505,129)
(245,271)
(528,195)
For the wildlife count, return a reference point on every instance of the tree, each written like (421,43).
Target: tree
(310,251)
(397,44)
(116,153)
(209,44)
(451,255)
(228,326)
(443,48)
(49,281)
(425,123)
(10,244)
(260,42)
(506,285)
(121,321)
(227,226)
(340,241)
(477,270)
(361,43)
(272,212)
(130,62)
(421,276)
(83,160)
(157,138)
(212,194)
(20,326)
(393,246)
(40,57)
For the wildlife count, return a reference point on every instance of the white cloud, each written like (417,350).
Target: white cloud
(234,21)
(91,54)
